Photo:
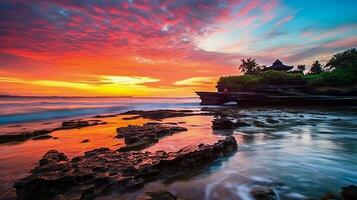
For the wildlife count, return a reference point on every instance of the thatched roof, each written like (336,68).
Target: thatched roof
(278,65)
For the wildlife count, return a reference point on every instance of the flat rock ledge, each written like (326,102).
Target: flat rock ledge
(43,134)
(160,114)
(101,171)
(138,137)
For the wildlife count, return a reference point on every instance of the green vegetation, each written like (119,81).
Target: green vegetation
(250,66)
(337,77)
(266,77)
(340,70)
(316,68)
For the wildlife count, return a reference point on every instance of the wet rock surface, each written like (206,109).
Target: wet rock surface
(42,137)
(222,123)
(157,195)
(23,135)
(225,123)
(101,171)
(349,192)
(162,114)
(85,141)
(138,137)
(43,134)
(72,124)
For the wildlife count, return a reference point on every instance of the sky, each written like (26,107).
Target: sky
(159,47)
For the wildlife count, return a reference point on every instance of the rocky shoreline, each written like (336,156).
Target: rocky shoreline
(43,133)
(101,171)
(140,137)
(81,123)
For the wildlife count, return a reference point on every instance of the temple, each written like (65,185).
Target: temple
(278,65)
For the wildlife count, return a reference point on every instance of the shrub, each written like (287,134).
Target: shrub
(248,80)
(343,60)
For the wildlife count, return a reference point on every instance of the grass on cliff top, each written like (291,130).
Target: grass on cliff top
(338,77)
(249,80)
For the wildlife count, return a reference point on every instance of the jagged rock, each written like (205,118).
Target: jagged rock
(79,124)
(102,170)
(85,141)
(262,193)
(43,133)
(225,123)
(222,123)
(138,137)
(52,156)
(349,192)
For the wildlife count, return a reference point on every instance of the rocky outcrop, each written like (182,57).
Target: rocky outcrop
(42,137)
(138,137)
(22,136)
(161,114)
(225,123)
(349,192)
(72,124)
(43,134)
(100,171)
(273,97)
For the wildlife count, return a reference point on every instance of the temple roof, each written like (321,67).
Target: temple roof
(278,65)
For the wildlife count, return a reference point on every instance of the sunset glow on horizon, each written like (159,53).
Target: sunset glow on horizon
(157,47)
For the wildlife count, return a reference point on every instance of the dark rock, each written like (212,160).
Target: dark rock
(225,123)
(85,141)
(132,118)
(52,156)
(72,124)
(349,192)
(42,137)
(271,121)
(328,196)
(241,123)
(262,193)
(259,123)
(104,116)
(171,123)
(22,136)
(101,171)
(139,137)
(161,114)
(157,195)
(222,123)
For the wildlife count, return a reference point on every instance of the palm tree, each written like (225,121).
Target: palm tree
(316,67)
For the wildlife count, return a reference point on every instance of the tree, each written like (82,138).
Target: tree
(342,60)
(301,67)
(250,66)
(316,67)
